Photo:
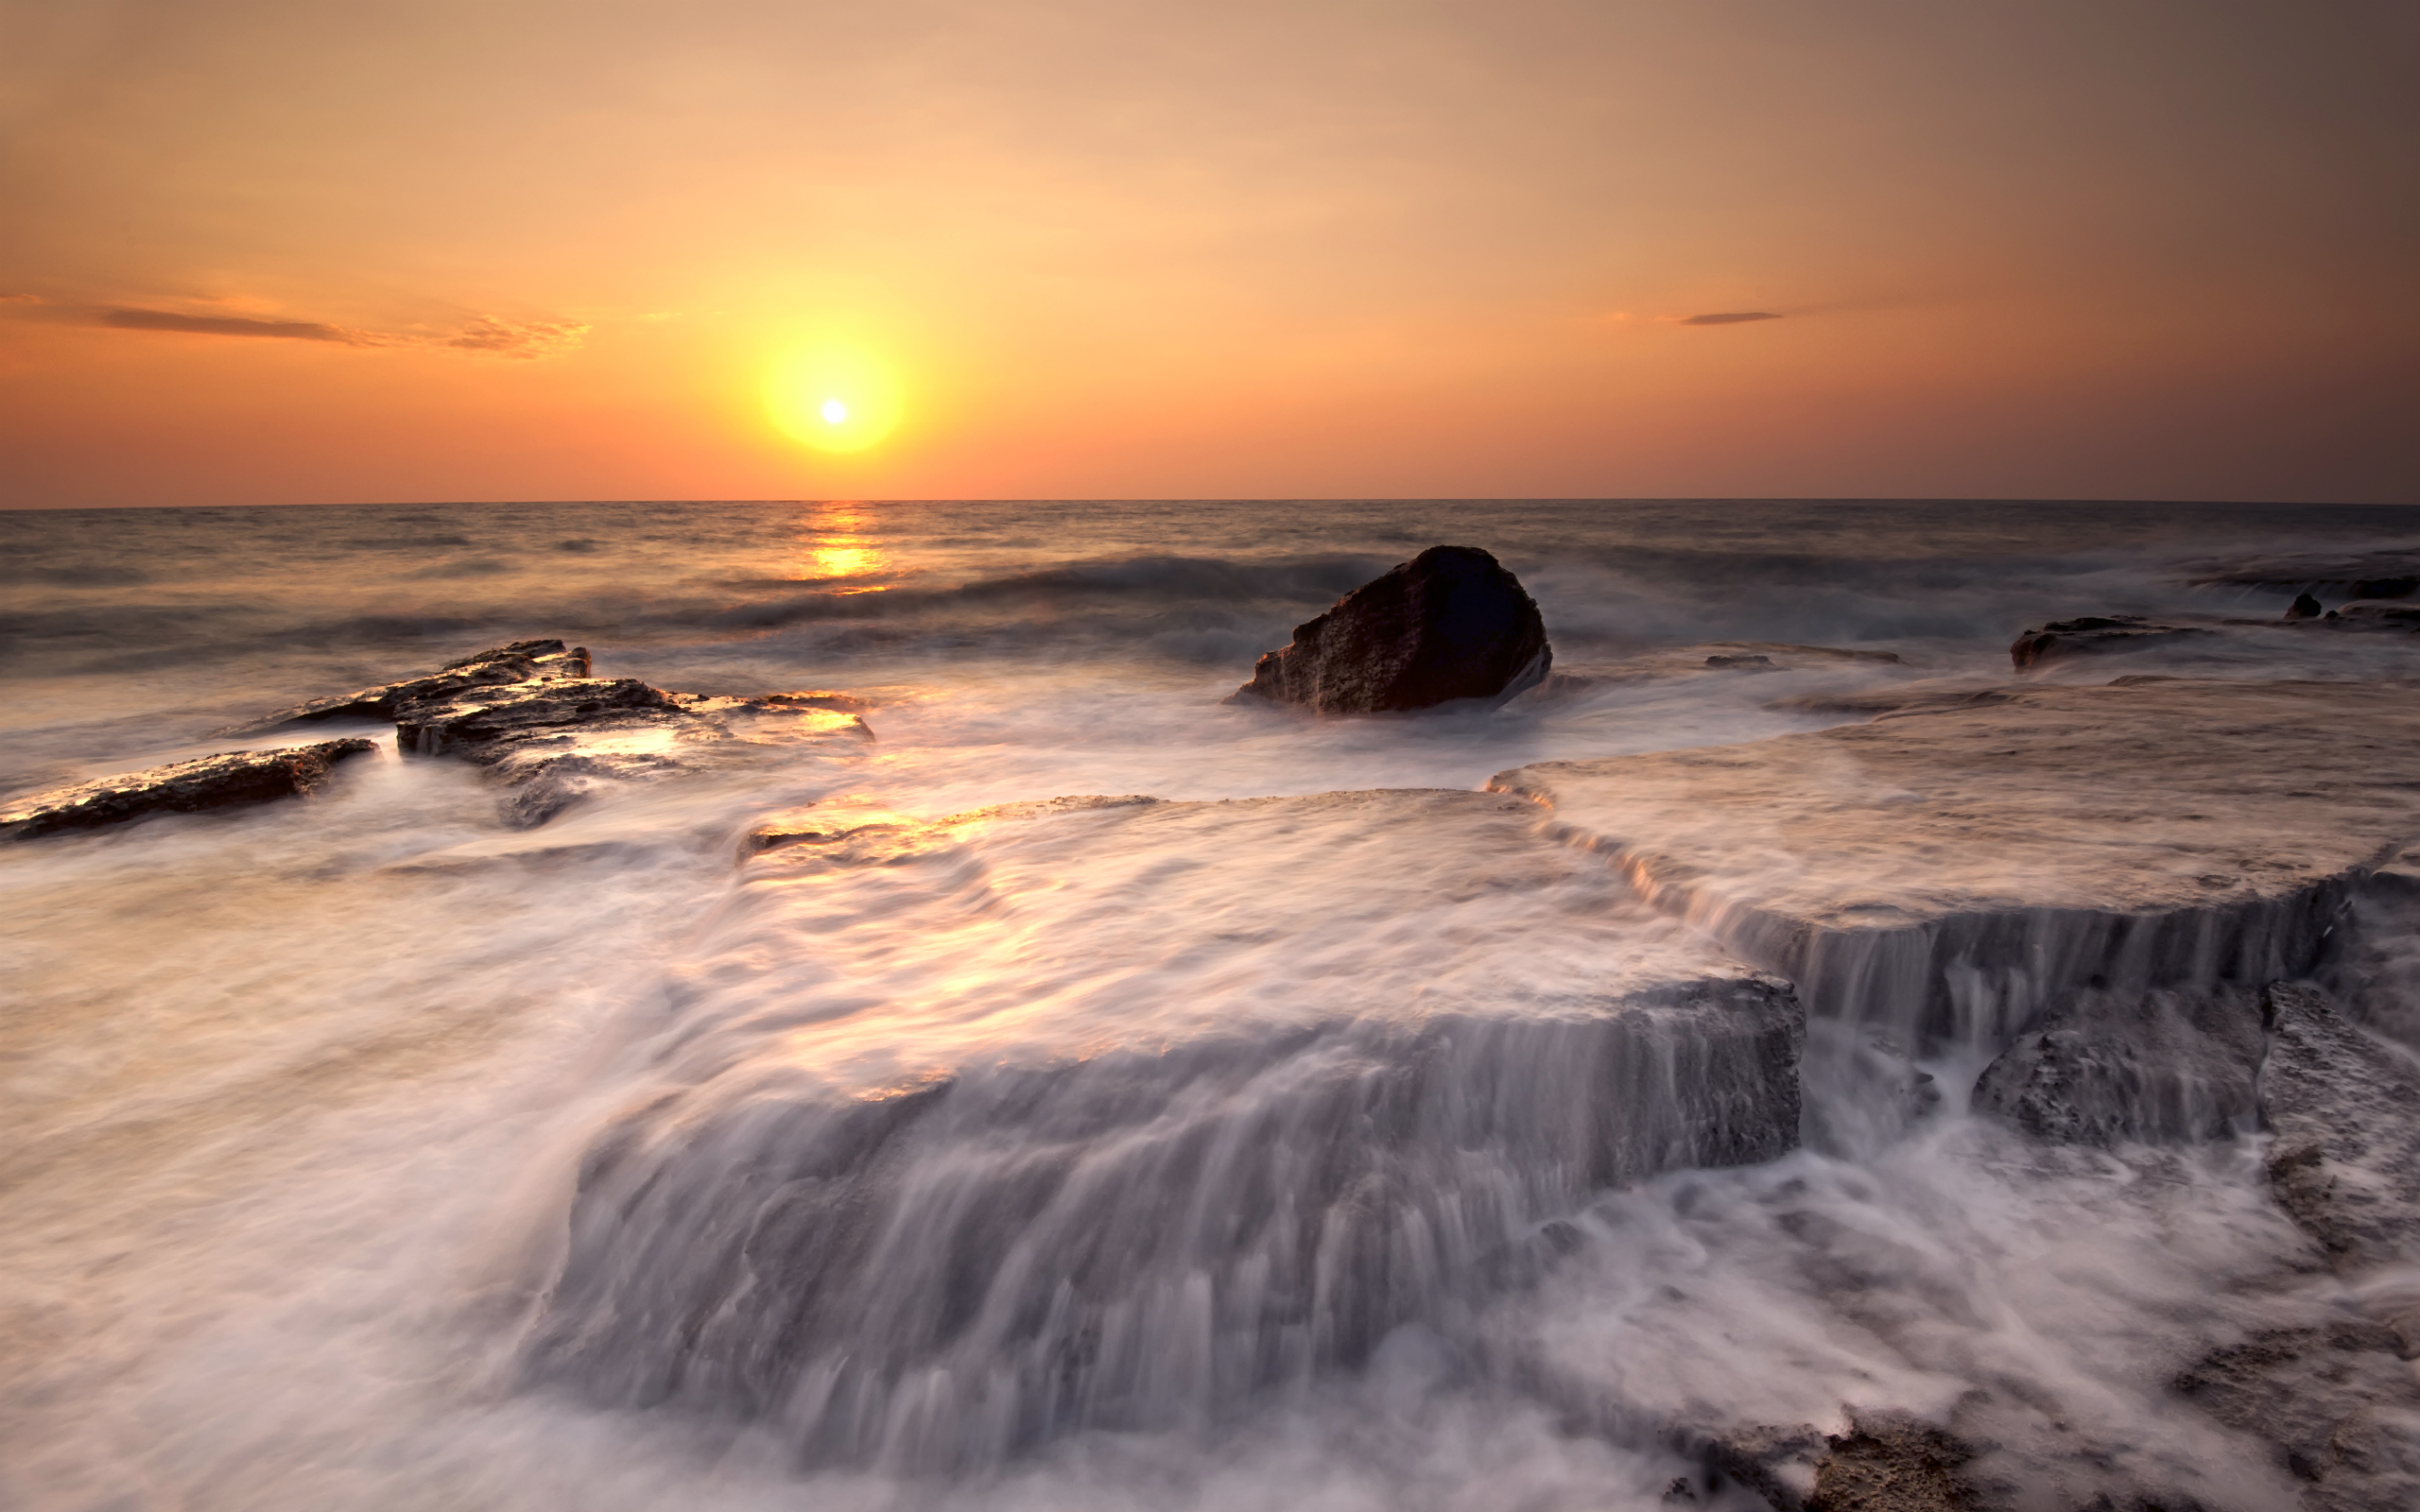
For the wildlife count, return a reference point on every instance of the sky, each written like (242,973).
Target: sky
(286,251)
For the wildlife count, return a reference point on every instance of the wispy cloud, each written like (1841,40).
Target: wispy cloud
(507,339)
(224,325)
(521,339)
(1731,318)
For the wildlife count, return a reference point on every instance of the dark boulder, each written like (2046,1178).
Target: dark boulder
(228,779)
(2302,608)
(1450,624)
(2095,635)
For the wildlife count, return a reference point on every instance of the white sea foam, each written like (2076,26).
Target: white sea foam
(299,1097)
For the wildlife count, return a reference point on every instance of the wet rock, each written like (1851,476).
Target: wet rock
(1776,1462)
(1745,662)
(2345,1109)
(1945,875)
(1150,1203)
(228,779)
(2105,1067)
(2400,587)
(2095,635)
(484,724)
(2374,617)
(1887,1463)
(2302,608)
(518,661)
(1450,624)
(553,741)
(531,715)
(2341,1411)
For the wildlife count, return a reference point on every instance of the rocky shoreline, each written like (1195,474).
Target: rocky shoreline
(529,713)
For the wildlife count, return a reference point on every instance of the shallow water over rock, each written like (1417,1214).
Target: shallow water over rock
(883,1123)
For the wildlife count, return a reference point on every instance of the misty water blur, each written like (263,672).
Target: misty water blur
(300,1096)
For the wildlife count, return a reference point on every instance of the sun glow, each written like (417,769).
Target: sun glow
(833,398)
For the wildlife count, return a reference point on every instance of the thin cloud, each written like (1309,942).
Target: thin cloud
(506,338)
(1731,318)
(224,325)
(524,338)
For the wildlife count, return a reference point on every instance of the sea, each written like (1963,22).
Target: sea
(309,1107)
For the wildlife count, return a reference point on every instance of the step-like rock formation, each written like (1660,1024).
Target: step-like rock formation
(228,779)
(1451,623)
(929,1209)
(1946,874)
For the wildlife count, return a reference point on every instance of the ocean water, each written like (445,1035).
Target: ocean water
(366,1152)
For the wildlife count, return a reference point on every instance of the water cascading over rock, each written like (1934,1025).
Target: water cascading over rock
(1113,1208)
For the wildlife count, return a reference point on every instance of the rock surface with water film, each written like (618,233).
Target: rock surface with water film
(531,714)
(228,779)
(1947,873)
(2092,635)
(518,661)
(1171,1107)
(1451,623)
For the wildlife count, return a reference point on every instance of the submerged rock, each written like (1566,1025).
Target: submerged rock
(1450,624)
(2345,1109)
(228,779)
(2339,1406)
(2095,635)
(2106,1068)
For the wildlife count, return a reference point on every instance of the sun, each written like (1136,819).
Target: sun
(833,397)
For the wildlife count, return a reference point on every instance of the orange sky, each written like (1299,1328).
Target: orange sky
(282,251)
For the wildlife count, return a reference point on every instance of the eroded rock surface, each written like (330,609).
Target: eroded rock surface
(2104,1068)
(1451,623)
(2341,1408)
(518,661)
(1888,1463)
(2095,635)
(531,715)
(229,779)
(2346,1111)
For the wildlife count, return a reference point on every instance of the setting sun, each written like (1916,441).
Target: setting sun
(833,398)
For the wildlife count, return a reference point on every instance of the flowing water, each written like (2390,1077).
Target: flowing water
(1361,1151)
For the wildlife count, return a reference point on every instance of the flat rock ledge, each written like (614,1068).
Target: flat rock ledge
(1948,873)
(550,733)
(228,779)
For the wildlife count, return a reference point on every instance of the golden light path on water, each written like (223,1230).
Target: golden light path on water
(836,540)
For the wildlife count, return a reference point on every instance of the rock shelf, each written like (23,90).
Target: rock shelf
(232,779)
